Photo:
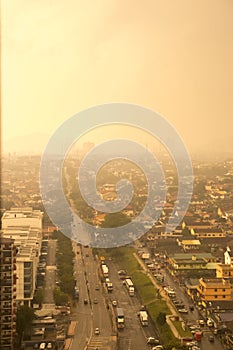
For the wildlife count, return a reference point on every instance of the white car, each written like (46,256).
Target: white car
(152,341)
(183,311)
(97,331)
(114,303)
(158,347)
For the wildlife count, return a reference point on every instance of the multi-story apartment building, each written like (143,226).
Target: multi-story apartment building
(24,225)
(214,289)
(21,217)
(7,292)
(224,271)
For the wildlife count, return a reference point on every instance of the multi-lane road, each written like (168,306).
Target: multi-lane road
(99,311)
(95,313)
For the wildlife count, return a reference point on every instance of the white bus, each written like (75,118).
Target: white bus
(129,286)
(104,270)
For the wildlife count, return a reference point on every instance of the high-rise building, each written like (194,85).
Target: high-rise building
(24,226)
(7,293)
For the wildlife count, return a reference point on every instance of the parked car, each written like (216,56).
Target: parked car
(85,301)
(152,341)
(211,338)
(158,347)
(183,311)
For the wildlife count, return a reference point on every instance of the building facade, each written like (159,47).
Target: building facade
(214,289)
(7,293)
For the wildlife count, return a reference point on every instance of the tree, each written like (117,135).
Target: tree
(115,220)
(60,298)
(39,296)
(161,318)
(24,317)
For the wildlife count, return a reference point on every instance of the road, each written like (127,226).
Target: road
(134,335)
(191,317)
(91,315)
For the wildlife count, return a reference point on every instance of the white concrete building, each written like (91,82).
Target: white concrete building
(24,225)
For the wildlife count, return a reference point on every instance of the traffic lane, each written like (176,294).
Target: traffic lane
(134,335)
(205,344)
(101,314)
(82,313)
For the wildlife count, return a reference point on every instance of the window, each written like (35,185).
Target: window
(224,290)
(224,296)
(215,296)
(215,290)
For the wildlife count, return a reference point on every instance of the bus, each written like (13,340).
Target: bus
(71,329)
(67,344)
(129,286)
(104,270)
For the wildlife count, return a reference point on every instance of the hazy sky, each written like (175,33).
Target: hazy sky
(173,56)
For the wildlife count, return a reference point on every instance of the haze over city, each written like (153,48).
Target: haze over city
(62,57)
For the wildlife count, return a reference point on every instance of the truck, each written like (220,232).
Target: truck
(120,318)
(109,286)
(104,270)
(130,287)
(145,256)
(143,316)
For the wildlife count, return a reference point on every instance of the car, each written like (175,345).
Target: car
(158,347)
(97,287)
(211,338)
(114,303)
(191,307)
(201,322)
(152,341)
(95,301)
(87,255)
(97,331)
(121,272)
(49,346)
(85,301)
(183,311)
(42,346)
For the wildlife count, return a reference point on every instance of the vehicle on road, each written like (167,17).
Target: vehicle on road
(211,338)
(109,286)
(143,316)
(95,301)
(85,301)
(152,341)
(104,270)
(97,287)
(183,311)
(120,318)
(114,303)
(97,331)
(130,287)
